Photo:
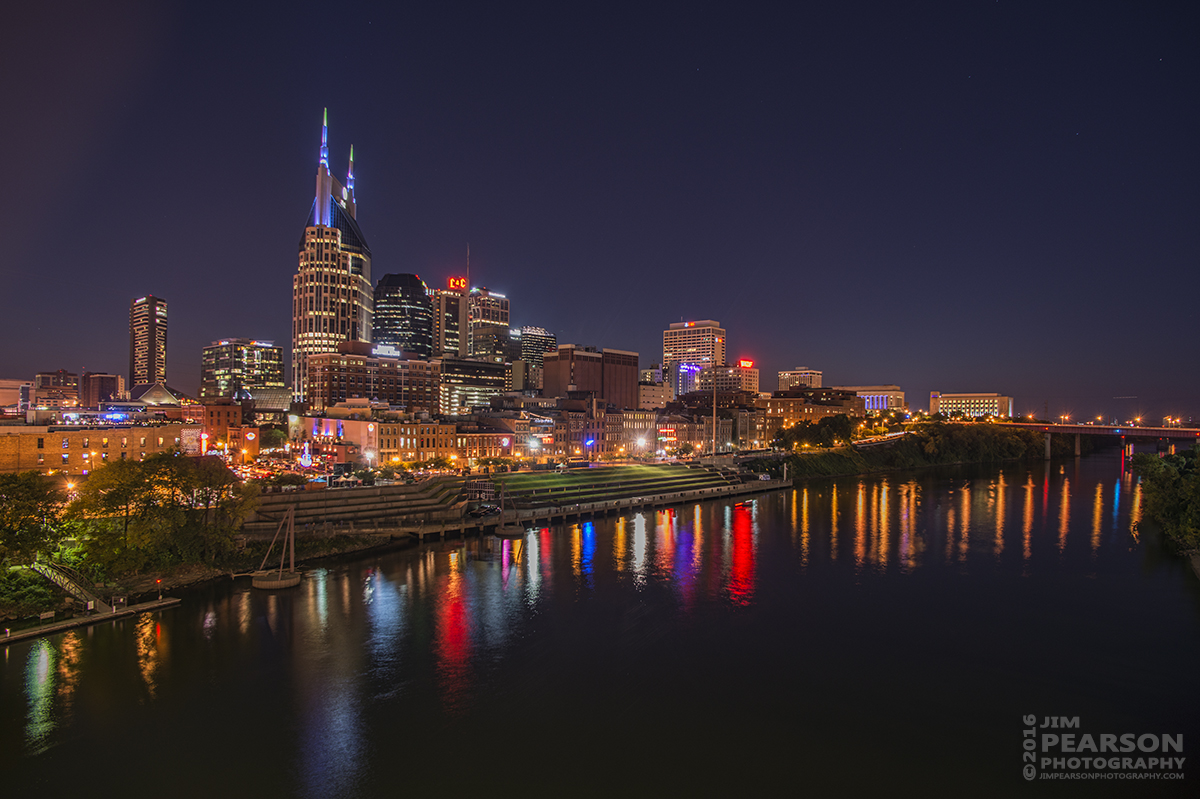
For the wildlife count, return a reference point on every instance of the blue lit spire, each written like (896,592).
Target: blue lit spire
(324,140)
(350,174)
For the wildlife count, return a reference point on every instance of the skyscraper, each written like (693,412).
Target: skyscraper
(233,365)
(450,319)
(485,307)
(332,296)
(97,387)
(701,343)
(403,314)
(536,342)
(147,340)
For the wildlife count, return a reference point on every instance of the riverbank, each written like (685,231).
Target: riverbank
(308,553)
(937,444)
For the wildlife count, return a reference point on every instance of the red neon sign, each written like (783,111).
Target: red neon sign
(746,364)
(457,283)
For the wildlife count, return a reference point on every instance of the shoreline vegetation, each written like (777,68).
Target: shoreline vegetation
(927,445)
(176,520)
(1171,492)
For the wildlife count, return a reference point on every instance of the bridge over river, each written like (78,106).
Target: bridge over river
(1173,434)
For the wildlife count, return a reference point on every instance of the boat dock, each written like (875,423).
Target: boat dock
(50,628)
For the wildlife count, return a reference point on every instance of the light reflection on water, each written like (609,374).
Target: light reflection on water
(361,649)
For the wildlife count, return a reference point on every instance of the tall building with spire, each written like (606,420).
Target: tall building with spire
(332,295)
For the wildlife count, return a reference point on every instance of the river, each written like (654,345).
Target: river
(881,634)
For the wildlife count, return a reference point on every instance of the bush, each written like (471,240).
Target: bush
(25,593)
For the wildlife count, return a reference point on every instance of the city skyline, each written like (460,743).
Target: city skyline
(975,200)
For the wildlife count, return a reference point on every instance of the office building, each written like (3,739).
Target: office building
(147,340)
(484,307)
(536,342)
(970,405)
(739,377)
(99,387)
(58,389)
(800,377)
(450,319)
(494,343)
(332,294)
(652,375)
(879,398)
(357,371)
(232,366)
(467,384)
(609,374)
(403,314)
(701,343)
(653,395)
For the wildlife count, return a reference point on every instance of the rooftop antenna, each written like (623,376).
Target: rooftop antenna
(468,267)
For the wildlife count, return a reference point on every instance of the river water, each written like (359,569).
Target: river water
(879,634)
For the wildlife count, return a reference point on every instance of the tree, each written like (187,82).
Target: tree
(272,438)
(166,509)
(30,515)
(1171,485)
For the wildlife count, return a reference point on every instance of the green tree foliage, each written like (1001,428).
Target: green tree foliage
(272,438)
(164,510)
(823,433)
(927,445)
(1171,487)
(24,593)
(30,516)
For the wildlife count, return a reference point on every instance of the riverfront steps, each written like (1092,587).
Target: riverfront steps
(84,621)
(551,514)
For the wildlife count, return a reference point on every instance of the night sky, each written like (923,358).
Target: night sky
(969,196)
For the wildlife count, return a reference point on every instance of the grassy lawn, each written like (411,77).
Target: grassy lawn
(578,478)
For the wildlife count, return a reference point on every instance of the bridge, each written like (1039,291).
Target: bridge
(1122,431)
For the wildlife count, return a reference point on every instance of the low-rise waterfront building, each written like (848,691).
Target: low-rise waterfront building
(971,405)
(75,450)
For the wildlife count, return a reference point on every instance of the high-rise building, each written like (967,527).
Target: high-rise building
(536,342)
(233,365)
(741,376)
(611,375)
(99,387)
(492,343)
(403,314)
(484,307)
(800,377)
(467,384)
(355,371)
(147,340)
(450,319)
(332,295)
(701,343)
